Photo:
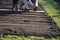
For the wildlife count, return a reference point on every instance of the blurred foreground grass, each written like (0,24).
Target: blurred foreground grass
(9,37)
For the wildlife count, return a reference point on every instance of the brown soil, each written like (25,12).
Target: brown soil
(28,24)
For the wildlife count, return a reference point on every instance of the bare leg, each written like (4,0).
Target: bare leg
(36,5)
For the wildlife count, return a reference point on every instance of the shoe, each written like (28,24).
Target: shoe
(35,8)
(27,10)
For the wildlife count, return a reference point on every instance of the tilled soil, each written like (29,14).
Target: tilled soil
(27,24)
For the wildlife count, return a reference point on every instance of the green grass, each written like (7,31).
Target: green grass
(9,37)
(53,10)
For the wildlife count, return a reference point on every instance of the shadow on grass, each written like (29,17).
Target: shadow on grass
(57,1)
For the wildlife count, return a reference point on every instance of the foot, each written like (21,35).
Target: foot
(26,10)
(35,8)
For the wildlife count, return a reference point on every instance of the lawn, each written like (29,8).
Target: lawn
(9,37)
(53,10)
